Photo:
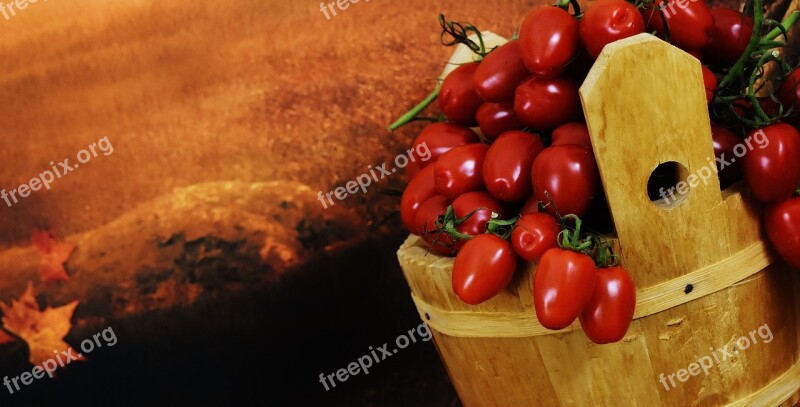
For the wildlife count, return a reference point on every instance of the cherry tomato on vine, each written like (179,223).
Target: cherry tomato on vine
(481,205)
(530,206)
(534,234)
(609,313)
(572,133)
(710,83)
(690,23)
(607,21)
(428,225)
(483,268)
(549,38)
(499,73)
(497,118)
(458,99)
(460,170)
(412,169)
(724,142)
(439,138)
(782,222)
(569,174)
(544,104)
(772,169)
(790,93)
(506,170)
(563,284)
(729,37)
(419,190)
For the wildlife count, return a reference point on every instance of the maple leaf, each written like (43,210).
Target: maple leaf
(44,331)
(54,255)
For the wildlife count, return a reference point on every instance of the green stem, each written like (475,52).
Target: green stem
(787,23)
(411,114)
(738,69)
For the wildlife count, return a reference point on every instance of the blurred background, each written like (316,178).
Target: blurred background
(200,239)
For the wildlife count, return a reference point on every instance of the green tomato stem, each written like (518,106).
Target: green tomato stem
(411,114)
(737,70)
(787,23)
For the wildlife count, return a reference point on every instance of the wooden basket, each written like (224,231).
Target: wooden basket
(705,276)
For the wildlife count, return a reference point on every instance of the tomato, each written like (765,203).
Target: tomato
(460,170)
(609,313)
(562,286)
(549,38)
(506,171)
(569,173)
(439,139)
(710,82)
(544,104)
(729,37)
(789,93)
(607,21)
(530,206)
(427,224)
(690,23)
(419,190)
(483,268)
(724,142)
(773,172)
(458,99)
(782,222)
(482,204)
(497,118)
(534,234)
(499,73)
(572,133)
(412,169)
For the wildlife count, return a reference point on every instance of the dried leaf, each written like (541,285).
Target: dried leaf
(54,255)
(44,331)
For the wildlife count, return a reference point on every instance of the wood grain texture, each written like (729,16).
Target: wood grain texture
(638,118)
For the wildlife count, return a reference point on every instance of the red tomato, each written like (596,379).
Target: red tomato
(773,172)
(609,313)
(534,234)
(457,98)
(782,222)
(569,173)
(439,139)
(497,118)
(562,286)
(460,170)
(549,38)
(506,171)
(729,37)
(607,21)
(500,73)
(530,206)
(427,224)
(690,26)
(544,104)
(572,133)
(724,142)
(790,92)
(710,82)
(483,268)
(419,190)
(412,169)
(482,204)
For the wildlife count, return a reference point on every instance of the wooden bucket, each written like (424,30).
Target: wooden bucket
(709,288)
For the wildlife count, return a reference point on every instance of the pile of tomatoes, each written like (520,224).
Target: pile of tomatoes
(516,190)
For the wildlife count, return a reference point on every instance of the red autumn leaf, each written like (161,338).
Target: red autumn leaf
(44,331)
(54,255)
